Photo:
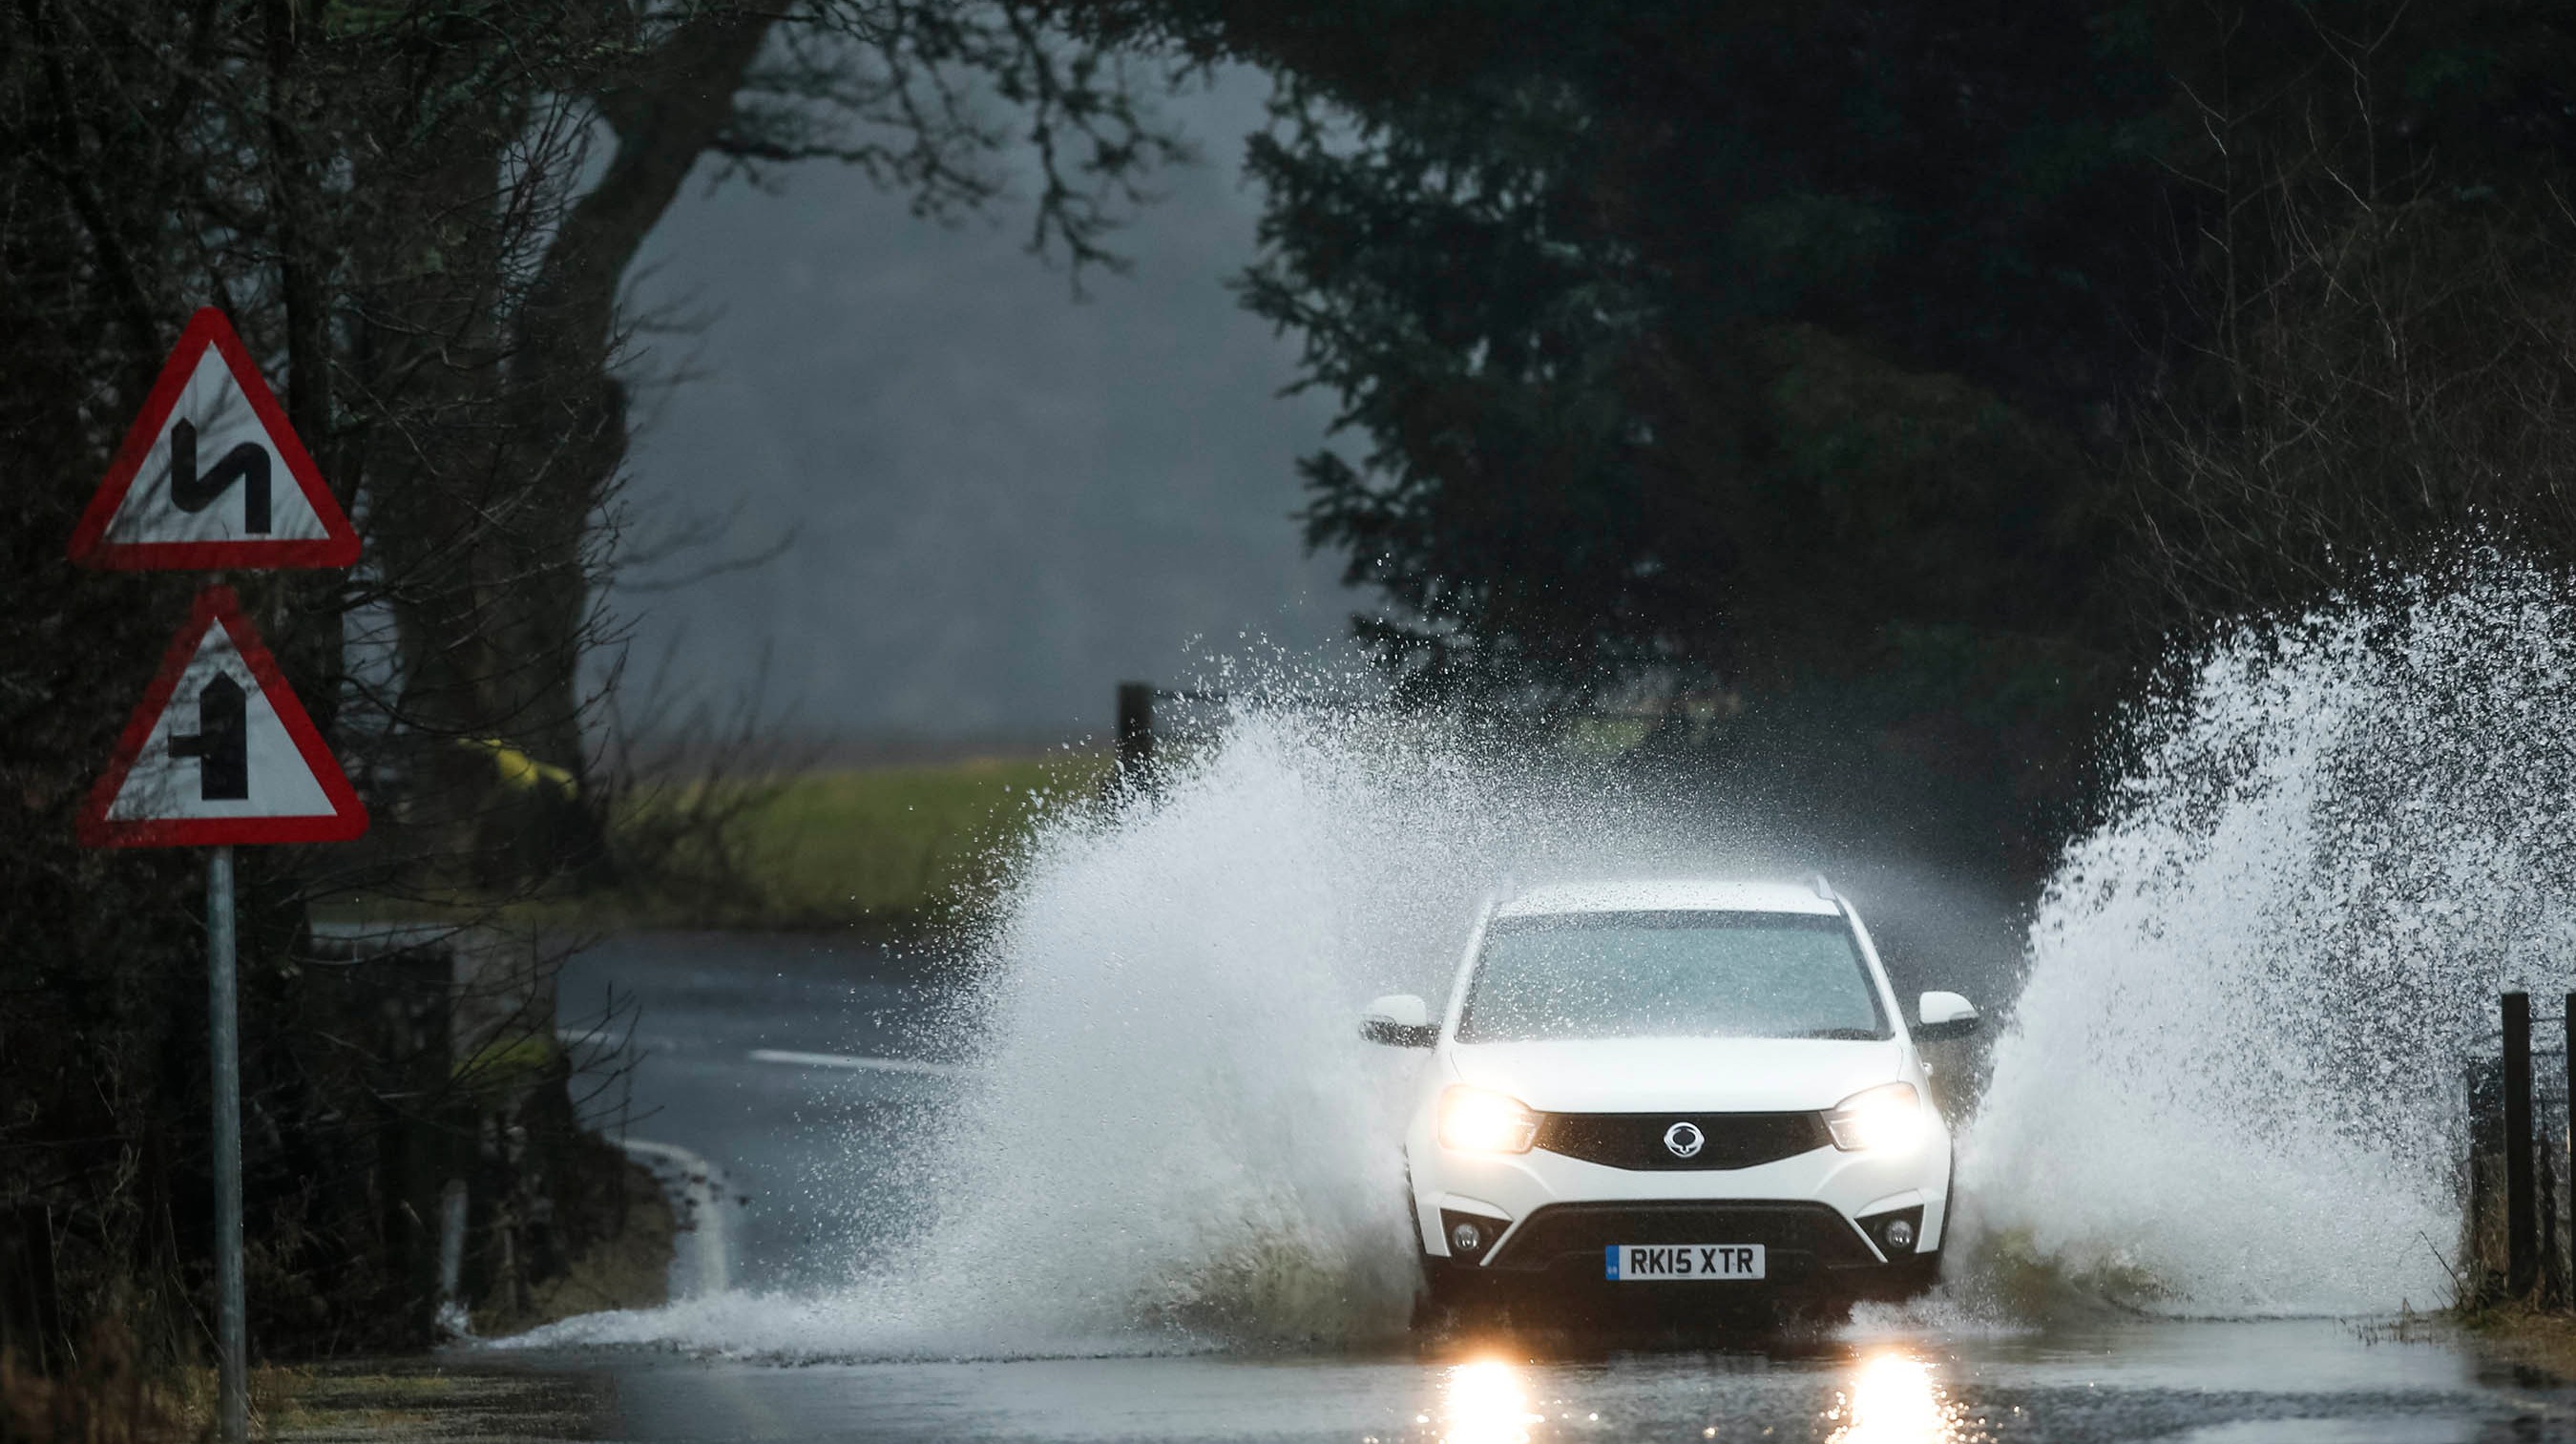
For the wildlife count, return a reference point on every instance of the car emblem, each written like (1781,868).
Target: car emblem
(1684,1139)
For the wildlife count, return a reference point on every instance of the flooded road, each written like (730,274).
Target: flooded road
(2300,1382)
(791,1064)
(797,1069)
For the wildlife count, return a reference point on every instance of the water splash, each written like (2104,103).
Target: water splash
(2232,1082)
(2228,1087)
(1180,1140)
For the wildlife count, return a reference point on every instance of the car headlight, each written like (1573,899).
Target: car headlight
(1883,1119)
(1479,1120)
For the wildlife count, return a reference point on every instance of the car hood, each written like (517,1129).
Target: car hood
(1679,1075)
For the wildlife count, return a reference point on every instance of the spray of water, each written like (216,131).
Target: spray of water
(1178,1139)
(2227,1088)
(2233,1081)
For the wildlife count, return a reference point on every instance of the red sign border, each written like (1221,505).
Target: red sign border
(337,547)
(348,818)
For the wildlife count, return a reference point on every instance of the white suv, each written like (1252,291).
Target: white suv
(1649,1093)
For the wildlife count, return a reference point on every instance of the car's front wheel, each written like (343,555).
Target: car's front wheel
(1451,1298)
(1895,1283)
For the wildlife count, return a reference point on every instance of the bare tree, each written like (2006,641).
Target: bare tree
(2382,356)
(420,215)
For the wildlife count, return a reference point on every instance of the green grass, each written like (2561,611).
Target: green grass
(897,844)
(893,849)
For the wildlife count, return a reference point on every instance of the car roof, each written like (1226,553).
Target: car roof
(1667,895)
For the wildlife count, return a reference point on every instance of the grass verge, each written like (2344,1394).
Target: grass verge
(892,850)
(2523,1337)
(899,846)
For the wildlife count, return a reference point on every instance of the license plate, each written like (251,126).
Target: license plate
(1629,1262)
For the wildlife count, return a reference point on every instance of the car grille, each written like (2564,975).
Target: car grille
(1799,1236)
(1636,1140)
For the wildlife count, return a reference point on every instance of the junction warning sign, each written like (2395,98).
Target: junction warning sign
(220,752)
(211,476)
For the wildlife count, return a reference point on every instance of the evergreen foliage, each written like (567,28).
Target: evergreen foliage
(1890,369)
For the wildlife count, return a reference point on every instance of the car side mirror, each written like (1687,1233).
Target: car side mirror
(1399,1020)
(1944,1015)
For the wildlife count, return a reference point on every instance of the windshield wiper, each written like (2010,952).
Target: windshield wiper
(1847,1035)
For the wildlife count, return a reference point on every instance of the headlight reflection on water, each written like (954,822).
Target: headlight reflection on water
(1486,1403)
(1893,1400)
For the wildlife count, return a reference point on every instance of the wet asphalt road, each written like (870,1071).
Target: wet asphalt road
(792,1064)
(2299,1382)
(735,1034)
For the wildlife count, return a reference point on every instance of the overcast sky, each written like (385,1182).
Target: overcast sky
(1003,500)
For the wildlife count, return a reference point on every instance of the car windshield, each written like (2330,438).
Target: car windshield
(1671,975)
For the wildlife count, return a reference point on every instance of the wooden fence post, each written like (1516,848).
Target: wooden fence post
(2521,1215)
(2562,1271)
(1135,727)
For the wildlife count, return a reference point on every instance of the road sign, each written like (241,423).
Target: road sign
(220,752)
(212,476)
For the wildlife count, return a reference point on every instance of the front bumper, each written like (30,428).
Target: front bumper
(1820,1216)
(1558,1253)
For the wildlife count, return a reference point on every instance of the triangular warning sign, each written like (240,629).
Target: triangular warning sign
(212,476)
(220,751)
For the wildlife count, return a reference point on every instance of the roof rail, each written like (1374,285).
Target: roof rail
(1823,889)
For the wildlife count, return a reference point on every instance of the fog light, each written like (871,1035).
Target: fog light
(1900,1234)
(1466,1238)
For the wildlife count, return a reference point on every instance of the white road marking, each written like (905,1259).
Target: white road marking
(868,1065)
(604,1040)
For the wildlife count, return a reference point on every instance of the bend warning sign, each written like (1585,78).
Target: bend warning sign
(212,475)
(220,751)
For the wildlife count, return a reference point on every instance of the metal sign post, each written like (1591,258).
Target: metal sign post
(247,767)
(224,1043)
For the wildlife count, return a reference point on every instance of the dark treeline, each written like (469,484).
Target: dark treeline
(1871,389)
(1892,381)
